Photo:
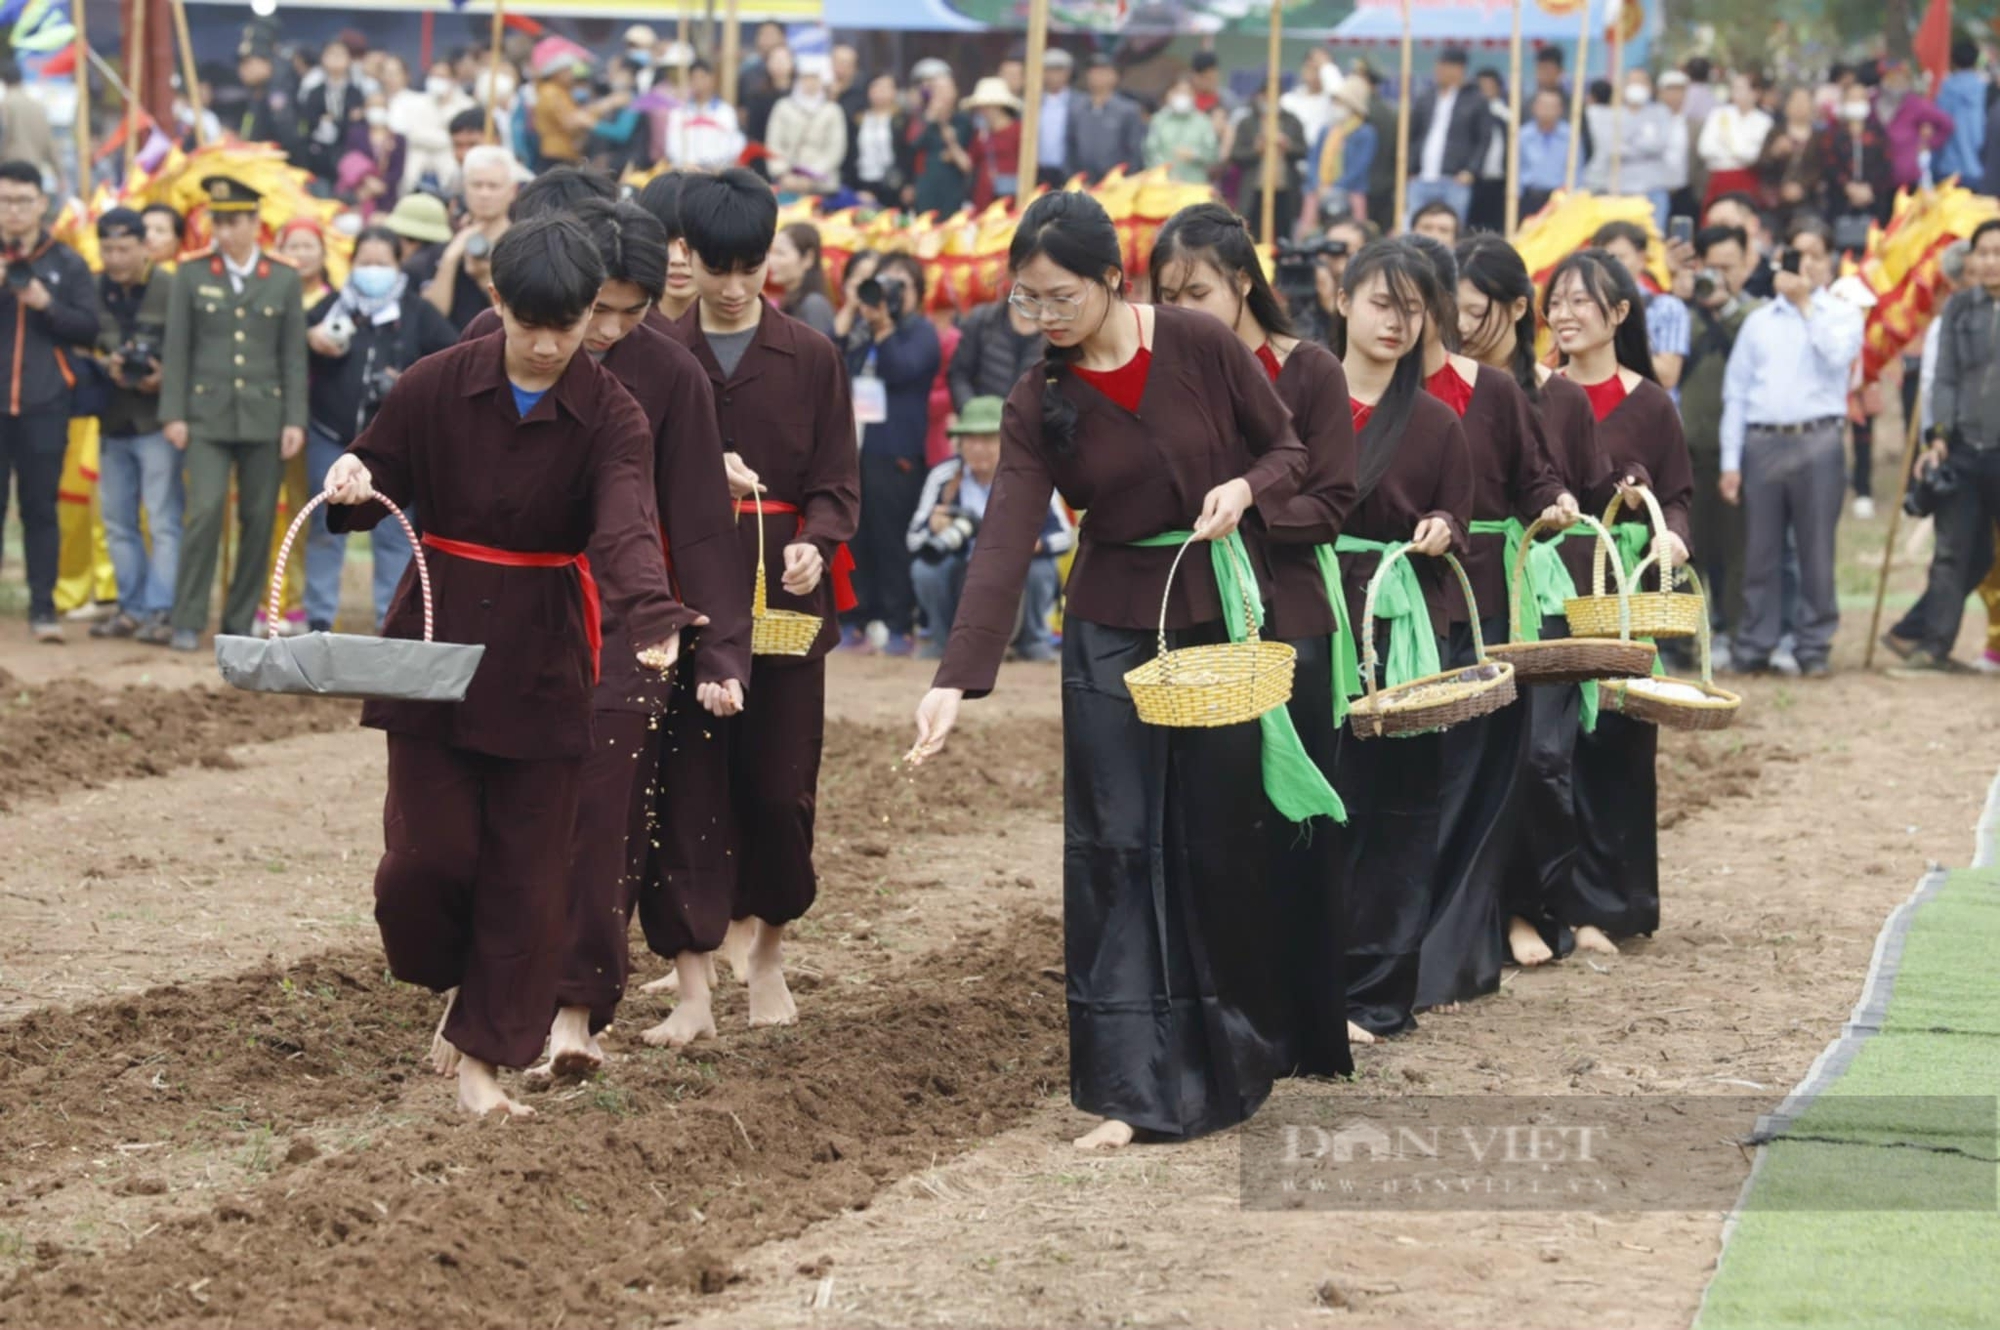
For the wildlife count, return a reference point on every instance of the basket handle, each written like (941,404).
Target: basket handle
(1606,547)
(275,609)
(1702,633)
(1659,523)
(759,597)
(1244,576)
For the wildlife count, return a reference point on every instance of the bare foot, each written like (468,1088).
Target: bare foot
(1357,1035)
(444,1058)
(735,948)
(670,982)
(1524,943)
(572,1049)
(764,970)
(1110,1134)
(479,1092)
(693,1016)
(1591,938)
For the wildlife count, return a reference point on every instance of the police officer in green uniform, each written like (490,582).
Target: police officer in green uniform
(232,394)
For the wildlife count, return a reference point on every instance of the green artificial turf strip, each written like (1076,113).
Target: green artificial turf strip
(1908,1130)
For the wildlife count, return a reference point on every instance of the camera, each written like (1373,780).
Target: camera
(941,545)
(1928,492)
(132,361)
(883,292)
(1295,278)
(1708,284)
(339,329)
(19,274)
(478,246)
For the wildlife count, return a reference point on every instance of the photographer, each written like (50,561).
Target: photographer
(47,307)
(946,525)
(1964,444)
(359,340)
(1719,307)
(137,467)
(895,344)
(490,183)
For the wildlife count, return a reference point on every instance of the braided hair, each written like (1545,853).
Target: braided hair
(1210,233)
(1075,233)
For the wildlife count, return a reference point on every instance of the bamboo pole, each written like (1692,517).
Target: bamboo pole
(1403,128)
(1576,93)
(189,79)
(1513,214)
(1030,163)
(681,39)
(1889,545)
(135,74)
(1268,185)
(493,67)
(1617,92)
(82,103)
(732,49)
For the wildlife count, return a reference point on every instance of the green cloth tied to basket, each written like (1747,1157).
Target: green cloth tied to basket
(1292,781)
(1413,648)
(1550,584)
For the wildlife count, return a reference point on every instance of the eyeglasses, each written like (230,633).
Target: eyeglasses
(19,200)
(1056,309)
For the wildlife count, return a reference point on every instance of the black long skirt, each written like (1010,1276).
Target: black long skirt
(1309,862)
(1466,942)
(1172,919)
(1391,789)
(1541,815)
(1615,885)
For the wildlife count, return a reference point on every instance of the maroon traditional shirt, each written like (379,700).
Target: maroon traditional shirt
(1313,387)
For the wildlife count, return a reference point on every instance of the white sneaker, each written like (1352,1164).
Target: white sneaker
(1785,663)
(1864,508)
(1986,663)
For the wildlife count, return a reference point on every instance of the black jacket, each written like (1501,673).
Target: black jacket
(131,314)
(905,159)
(1464,139)
(39,347)
(341,403)
(991,357)
(322,132)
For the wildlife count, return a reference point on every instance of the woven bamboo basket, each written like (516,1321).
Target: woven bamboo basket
(1226,683)
(1572,659)
(1640,699)
(1662,613)
(776,632)
(1436,701)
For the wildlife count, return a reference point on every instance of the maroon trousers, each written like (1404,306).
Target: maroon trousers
(469,893)
(608,856)
(735,812)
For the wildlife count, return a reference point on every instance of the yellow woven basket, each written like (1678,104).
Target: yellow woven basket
(1226,683)
(1570,659)
(1436,701)
(1647,699)
(776,632)
(1662,613)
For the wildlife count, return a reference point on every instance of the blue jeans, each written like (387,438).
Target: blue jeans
(135,471)
(1450,192)
(939,585)
(326,551)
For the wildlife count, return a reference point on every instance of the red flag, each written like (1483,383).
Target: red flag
(1933,44)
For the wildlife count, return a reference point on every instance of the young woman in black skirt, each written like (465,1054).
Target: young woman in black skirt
(1599,321)
(1203,259)
(1160,423)
(1414,484)
(1497,324)
(1511,483)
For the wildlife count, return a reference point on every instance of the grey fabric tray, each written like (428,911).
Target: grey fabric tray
(348,665)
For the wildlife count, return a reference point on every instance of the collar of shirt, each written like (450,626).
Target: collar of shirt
(488,373)
(239,274)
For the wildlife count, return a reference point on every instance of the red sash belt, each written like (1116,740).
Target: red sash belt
(841,569)
(593,611)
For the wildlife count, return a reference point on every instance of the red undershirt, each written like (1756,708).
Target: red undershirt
(1362,411)
(1269,359)
(1450,387)
(1605,397)
(1126,384)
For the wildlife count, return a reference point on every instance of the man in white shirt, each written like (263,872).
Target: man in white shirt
(702,134)
(1449,130)
(1309,100)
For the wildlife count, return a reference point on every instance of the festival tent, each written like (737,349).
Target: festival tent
(1490,24)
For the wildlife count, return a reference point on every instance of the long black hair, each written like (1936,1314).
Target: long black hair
(1076,234)
(1210,233)
(1439,286)
(1404,271)
(1607,284)
(1498,272)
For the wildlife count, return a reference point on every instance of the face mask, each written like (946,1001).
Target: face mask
(373,281)
(436,86)
(640,58)
(1637,95)
(1181,103)
(1854,112)
(377,116)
